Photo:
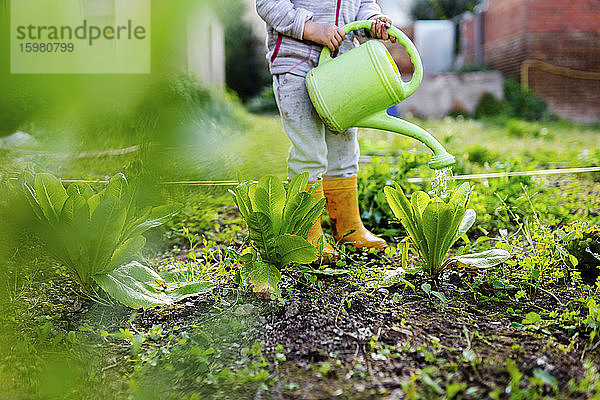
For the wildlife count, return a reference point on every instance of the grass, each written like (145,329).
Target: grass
(558,142)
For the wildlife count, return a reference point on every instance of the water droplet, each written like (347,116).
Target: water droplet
(439,185)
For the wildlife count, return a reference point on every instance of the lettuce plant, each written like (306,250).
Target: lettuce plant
(434,225)
(96,235)
(278,223)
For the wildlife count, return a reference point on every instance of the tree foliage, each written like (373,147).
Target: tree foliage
(441,9)
(246,70)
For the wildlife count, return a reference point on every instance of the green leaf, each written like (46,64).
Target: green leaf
(106,224)
(462,194)
(532,318)
(29,193)
(264,277)
(156,217)
(403,210)
(458,213)
(303,227)
(297,185)
(426,287)
(242,199)
(437,222)
(467,222)
(51,195)
(122,285)
(295,209)
(452,389)
(94,201)
(399,204)
(390,277)
(469,355)
(419,200)
(117,187)
(545,377)
(485,259)
(125,251)
(261,233)
(80,188)
(188,289)
(73,234)
(132,222)
(440,296)
(139,272)
(513,371)
(293,248)
(74,205)
(269,198)
(81,218)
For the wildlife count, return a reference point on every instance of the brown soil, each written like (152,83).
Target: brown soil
(417,334)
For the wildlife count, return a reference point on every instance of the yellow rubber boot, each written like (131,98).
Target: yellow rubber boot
(341,195)
(328,254)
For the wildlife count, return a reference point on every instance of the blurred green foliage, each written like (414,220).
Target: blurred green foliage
(246,68)
(490,146)
(500,203)
(582,241)
(263,102)
(519,103)
(440,9)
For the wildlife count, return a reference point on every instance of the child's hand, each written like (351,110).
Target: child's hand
(379,28)
(327,35)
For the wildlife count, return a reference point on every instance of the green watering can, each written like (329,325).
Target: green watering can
(356,88)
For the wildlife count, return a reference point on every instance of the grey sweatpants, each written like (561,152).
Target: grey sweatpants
(315,148)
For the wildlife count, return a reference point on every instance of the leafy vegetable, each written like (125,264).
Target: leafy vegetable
(434,224)
(96,235)
(278,221)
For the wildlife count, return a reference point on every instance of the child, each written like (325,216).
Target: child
(297,30)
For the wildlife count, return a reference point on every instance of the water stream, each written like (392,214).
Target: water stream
(439,185)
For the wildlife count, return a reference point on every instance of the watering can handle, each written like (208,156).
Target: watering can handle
(414,83)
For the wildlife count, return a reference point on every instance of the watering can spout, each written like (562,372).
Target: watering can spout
(356,88)
(383,121)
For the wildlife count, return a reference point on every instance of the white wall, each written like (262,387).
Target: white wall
(205,47)
(397,10)
(435,43)
(258,25)
(439,94)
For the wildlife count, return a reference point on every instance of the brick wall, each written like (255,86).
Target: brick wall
(505,19)
(504,35)
(565,33)
(577,99)
(562,15)
(467,39)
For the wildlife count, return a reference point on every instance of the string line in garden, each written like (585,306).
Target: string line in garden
(410,180)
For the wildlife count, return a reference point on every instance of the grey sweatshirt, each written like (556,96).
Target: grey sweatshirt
(287,51)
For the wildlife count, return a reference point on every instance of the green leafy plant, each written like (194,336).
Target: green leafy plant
(434,224)
(97,235)
(278,221)
(582,244)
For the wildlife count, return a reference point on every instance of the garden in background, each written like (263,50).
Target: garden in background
(130,256)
